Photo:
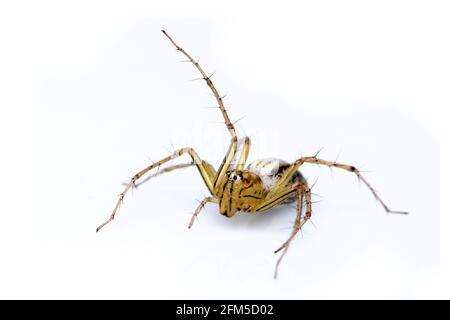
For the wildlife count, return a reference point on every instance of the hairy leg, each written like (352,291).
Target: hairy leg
(279,196)
(162,171)
(225,166)
(205,169)
(294,167)
(210,85)
(244,154)
(299,223)
(200,207)
(233,145)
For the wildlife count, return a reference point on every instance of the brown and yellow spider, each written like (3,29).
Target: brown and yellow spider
(260,186)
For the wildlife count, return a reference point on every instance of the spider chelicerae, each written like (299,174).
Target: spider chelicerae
(258,187)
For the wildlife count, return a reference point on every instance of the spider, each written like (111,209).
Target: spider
(260,186)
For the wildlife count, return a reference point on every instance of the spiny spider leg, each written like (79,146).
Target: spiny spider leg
(165,170)
(280,196)
(297,227)
(234,141)
(294,167)
(299,223)
(277,198)
(206,171)
(200,207)
(226,164)
(244,154)
(210,85)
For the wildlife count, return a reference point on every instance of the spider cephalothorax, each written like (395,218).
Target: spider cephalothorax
(258,187)
(242,191)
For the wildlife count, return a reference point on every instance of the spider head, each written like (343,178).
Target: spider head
(243,190)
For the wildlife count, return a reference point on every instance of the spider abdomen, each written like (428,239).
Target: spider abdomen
(270,170)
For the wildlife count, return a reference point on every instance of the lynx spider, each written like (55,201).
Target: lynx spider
(259,187)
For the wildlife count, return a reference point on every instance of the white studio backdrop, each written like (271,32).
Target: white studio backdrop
(92,93)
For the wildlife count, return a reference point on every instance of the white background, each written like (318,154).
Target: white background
(91,91)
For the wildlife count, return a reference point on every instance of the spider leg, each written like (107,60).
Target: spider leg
(244,154)
(233,145)
(219,99)
(226,164)
(165,170)
(200,207)
(299,223)
(279,196)
(294,167)
(206,171)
